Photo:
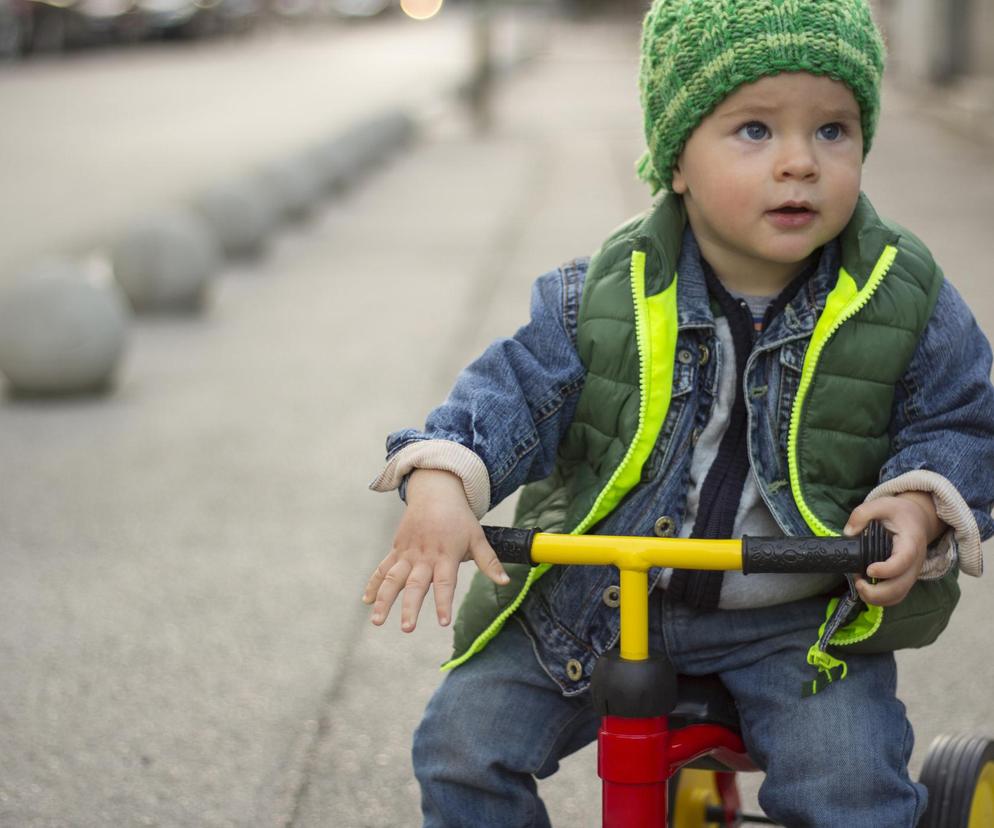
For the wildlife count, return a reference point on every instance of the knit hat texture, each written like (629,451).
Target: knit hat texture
(697,52)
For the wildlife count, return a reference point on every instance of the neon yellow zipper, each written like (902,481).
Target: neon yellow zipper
(842,304)
(655,372)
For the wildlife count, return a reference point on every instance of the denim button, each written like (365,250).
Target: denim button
(684,357)
(703,354)
(612,596)
(574,670)
(663,527)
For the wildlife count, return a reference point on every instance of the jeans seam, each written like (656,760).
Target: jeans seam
(555,741)
(906,748)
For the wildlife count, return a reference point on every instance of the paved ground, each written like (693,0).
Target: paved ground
(180,626)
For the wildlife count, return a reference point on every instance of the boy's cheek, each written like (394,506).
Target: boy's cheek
(727,200)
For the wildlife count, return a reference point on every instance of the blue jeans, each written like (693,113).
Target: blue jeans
(838,758)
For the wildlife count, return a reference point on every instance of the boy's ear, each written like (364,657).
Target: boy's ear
(679,185)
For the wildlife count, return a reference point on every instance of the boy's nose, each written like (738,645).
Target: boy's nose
(796,161)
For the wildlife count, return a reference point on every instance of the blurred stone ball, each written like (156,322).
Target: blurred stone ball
(397,130)
(62,331)
(241,214)
(334,162)
(344,158)
(388,132)
(165,261)
(373,139)
(295,184)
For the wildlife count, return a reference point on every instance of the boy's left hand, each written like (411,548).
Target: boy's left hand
(911,518)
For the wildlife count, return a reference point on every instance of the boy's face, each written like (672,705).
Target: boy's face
(770,176)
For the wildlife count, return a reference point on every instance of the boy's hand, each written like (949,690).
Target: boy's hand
(911,518)
(437,532)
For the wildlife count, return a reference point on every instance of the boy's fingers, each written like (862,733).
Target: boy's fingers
(373,584)
(415,589)
(393,582)
(857,522)
(862,515)
(897,576)
(901,557)
(487,561)
(884,593)
(444,585)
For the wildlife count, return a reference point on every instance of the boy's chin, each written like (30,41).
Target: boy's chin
(797,253)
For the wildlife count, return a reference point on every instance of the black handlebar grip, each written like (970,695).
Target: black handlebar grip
(511,545)
(817,554)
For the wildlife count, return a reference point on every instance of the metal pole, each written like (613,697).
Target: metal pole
(482,78)
(953,58)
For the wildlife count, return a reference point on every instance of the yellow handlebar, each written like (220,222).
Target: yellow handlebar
(634,556)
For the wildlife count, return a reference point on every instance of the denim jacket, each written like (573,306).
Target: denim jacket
(512,406)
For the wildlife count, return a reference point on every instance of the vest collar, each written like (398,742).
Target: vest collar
(863,241)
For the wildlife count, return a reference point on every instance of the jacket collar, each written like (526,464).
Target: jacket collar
(799,315)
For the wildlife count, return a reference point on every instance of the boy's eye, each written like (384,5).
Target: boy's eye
(754,131)
(831,132)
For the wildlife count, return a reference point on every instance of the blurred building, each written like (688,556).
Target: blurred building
(943,52)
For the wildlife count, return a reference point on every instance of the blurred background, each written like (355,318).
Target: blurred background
(240,242)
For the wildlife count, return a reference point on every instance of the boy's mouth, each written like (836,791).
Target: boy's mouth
(792,214)
(794,207)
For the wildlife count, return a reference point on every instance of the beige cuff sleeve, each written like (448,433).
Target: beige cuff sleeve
(961,542)
(443,455)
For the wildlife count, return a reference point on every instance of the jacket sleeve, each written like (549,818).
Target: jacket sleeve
(942,433)
(502,423)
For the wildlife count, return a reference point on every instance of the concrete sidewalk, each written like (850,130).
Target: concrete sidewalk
(180,626)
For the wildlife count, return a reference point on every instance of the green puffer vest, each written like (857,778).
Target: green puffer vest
(839,431)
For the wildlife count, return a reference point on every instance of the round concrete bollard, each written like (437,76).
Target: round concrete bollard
(61,331)
(335,163)
(241,214)
(165,261)
(392,131)
(397,130)
(373,139)
(344,158)
(295,186)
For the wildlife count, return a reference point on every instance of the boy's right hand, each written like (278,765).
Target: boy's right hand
(437,532)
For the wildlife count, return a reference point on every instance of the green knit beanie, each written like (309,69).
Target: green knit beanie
(697,52)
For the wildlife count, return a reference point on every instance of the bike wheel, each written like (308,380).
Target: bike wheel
(959,775)
(691,792)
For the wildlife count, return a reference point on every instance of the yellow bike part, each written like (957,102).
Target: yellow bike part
(982,809)
(634,557)
(696,791)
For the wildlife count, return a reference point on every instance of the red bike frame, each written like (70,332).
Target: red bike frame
(637,757)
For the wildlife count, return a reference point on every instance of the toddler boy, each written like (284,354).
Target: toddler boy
(759,353)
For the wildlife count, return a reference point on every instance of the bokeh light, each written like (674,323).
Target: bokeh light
(421,9)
